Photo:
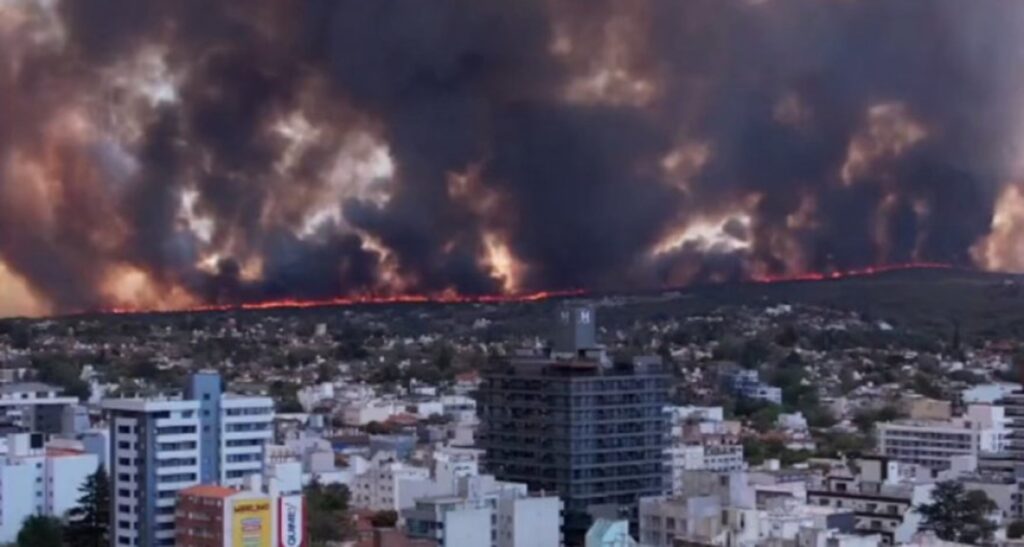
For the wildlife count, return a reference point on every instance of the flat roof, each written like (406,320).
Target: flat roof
(150,405)
(209,491)
(19,387)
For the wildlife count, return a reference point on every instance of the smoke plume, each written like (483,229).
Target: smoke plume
(159,155)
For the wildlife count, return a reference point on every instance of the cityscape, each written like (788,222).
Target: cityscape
(511,273)
(744,415)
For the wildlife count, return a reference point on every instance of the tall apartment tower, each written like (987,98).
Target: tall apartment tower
(206,388)
(235,430)
(154,453)
(574,422)
(246,427)
(161,446)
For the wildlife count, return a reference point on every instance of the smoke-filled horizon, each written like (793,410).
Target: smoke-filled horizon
(167,154)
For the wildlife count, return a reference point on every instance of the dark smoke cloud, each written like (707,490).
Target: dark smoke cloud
(542,124)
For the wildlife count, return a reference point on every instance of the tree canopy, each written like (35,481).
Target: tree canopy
(89,522)
(957,514)
(327,517)
(41,531)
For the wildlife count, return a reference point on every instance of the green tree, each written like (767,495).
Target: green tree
(144,368)
(327,516)
(865,420)
(386,373)
(326,372)
(754,352)
(40,531)
(834,444)
(1015,530)
(443,357)
(787,337)
(55,369)
(89,521)
(21,335)
(957,514)
(384,519)
(286,396)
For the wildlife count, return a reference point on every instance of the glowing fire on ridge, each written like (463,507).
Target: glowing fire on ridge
(442,298)
(856,272)
(452,298)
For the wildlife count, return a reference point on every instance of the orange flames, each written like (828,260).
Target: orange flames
(442,298)
(453,298)
(857,272)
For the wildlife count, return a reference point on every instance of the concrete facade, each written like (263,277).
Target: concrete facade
(578,425)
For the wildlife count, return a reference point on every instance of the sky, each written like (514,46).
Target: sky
(174,154)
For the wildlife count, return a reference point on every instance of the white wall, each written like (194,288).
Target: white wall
(534,522)
(467,528)
(67,475)
(17,484)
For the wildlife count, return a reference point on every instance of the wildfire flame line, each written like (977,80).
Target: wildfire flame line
(856,272)
(442,298)
(452,298)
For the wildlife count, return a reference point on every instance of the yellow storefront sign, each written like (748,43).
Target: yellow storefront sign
(251,523)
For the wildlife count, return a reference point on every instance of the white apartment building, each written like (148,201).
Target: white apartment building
(361,412)
(390,485)
(883,494)
(695,512)
(160,446)
(459,408)
(246,425)
(35,406)
(386,483)
(722,512)
(485,512)
(39,479)
(310,396)
(932,443)
(717,458)
(154,454)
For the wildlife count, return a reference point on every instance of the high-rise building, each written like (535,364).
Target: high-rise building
(575,422)
(235,430)
(154,454)
(160,446)
(206,388)
(246,427)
